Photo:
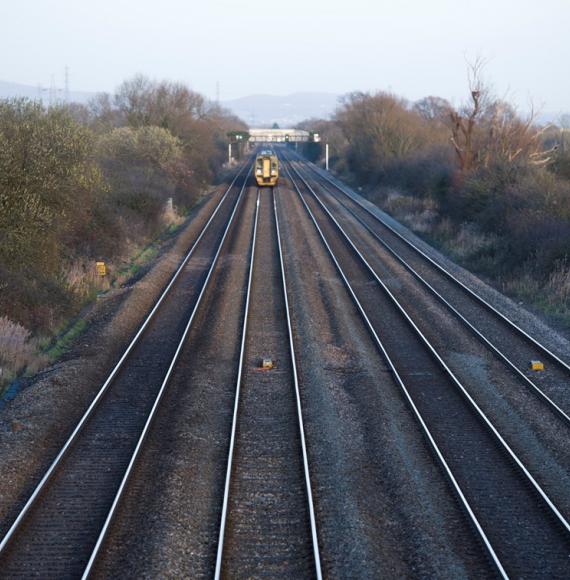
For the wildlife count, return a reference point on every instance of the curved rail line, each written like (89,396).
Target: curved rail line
(235,417)
(466,396)
(472,328)
(56,465)
(487,305)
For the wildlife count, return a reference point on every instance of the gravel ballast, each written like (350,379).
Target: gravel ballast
(530,426)
(168,523)
(382,505)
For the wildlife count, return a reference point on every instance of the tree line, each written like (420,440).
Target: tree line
(484,181)
(84,183)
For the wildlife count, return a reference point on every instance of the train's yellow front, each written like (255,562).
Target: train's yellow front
(266,169)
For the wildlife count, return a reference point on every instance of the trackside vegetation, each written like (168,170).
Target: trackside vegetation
(80,184)
(488,186)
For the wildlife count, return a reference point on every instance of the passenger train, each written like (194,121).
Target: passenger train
(266,169)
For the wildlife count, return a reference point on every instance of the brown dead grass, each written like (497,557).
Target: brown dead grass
(18,350)
(170,216)
(82,280)
(473,248)
(558,284)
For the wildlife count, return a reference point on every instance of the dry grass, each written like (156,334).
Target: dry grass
(466,244)
(82,280)
(554,294)
(558,284)
(470,241)
(524,286)
(419,214)
(423,217)
(552,297)
(170,216)
(18,350)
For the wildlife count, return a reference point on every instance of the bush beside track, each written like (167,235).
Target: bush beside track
(500,206)
(80,184)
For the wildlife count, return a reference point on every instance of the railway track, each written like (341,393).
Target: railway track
(59,531)
(532,423)
(187,448)
(268,523)
(513,346)
(516,521)
(519,402)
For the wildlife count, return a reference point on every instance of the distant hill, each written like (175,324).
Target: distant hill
(13,90)
(256,110)
(286,111)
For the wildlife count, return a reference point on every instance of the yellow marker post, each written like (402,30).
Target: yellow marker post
(536,365)
(101,268)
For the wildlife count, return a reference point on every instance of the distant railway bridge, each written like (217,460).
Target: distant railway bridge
(254,136)
(282,136)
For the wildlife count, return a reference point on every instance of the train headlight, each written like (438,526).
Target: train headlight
(258,172)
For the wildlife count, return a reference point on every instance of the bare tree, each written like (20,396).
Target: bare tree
(489,130)
(463,122)
(132,100)
(511,138)
(433,108)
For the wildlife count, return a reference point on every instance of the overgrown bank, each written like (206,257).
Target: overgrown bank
(488,187)
(80,184)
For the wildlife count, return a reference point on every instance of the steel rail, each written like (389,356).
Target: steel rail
(399,381)
(312,517)
(486,421)
(500,355)
(103,390)
(154,409)
(227,484)
(536,343)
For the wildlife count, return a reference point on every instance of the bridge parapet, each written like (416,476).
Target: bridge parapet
(282,136)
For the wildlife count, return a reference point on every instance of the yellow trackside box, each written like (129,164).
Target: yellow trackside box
(536,365)
(101,268)
(267,364)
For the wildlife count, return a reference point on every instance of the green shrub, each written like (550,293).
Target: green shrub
(141,168)
(48,182)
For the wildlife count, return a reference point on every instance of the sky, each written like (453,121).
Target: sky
(411,47)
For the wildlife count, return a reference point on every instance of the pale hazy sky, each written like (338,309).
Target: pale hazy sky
(411,47)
